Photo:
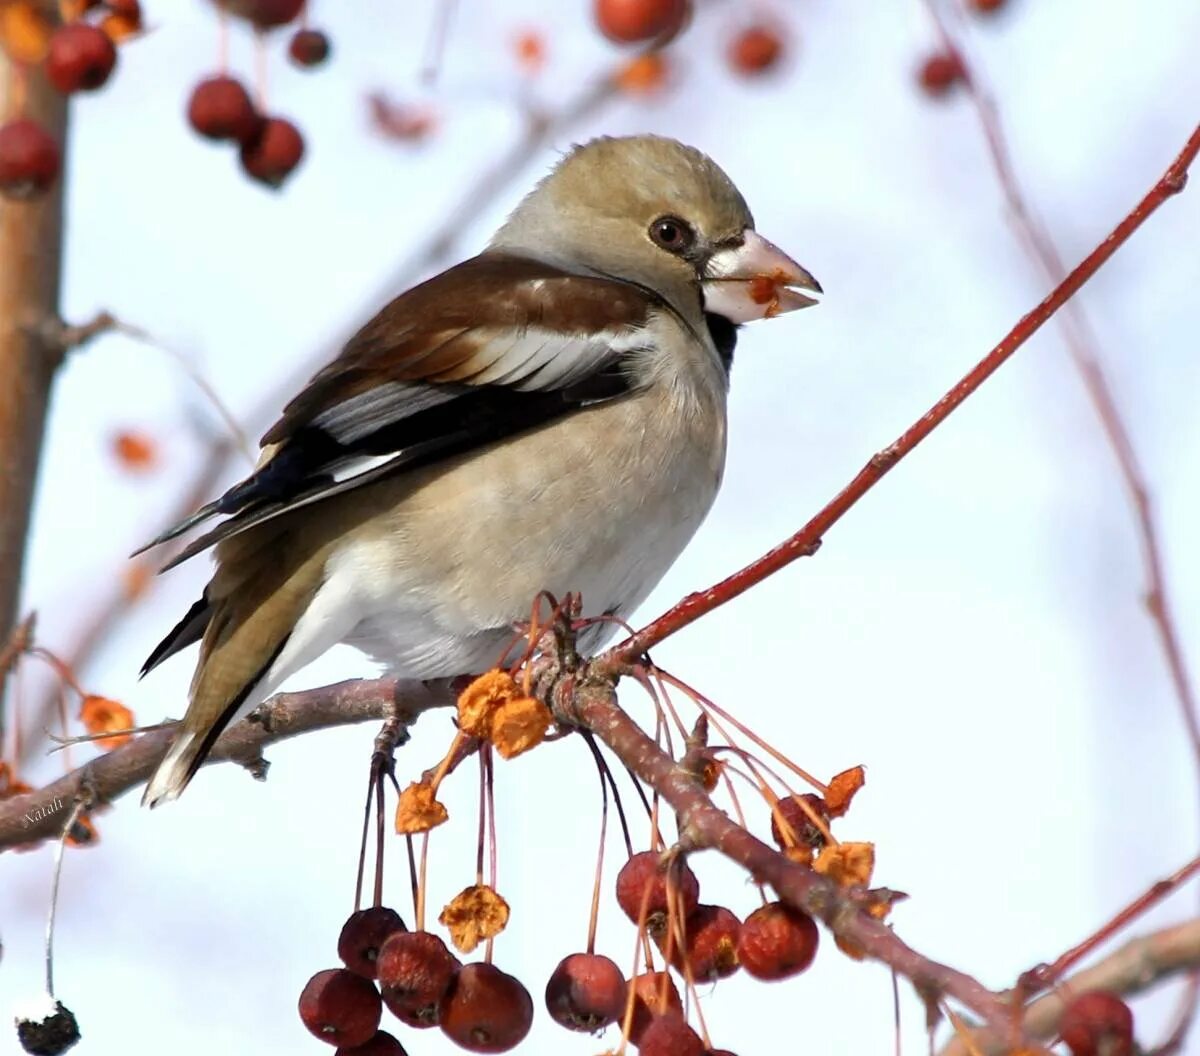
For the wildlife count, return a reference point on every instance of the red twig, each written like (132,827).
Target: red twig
(806,541)
(1049,974)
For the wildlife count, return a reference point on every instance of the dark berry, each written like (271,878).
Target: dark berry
(669,1035)
(363,934)
(1097,1024)
(803,831)
(939,73)
(220,108)
(415,971)
(80,58)
(711,934)
(29,159)
(273,153)
(586,993)
(308,47)
(755,50)
(340,1008)
(382,1044)
(777,941)
(642,889)
(654,995)
(265,14)
(486,1010)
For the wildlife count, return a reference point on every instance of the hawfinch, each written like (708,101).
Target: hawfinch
(548,415)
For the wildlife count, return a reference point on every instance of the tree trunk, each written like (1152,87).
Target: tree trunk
(30,267)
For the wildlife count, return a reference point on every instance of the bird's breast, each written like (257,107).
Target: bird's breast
(601,502)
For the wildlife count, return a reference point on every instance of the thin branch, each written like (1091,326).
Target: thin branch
(806,541)
(1082,346)
(28,818)
(1138,965)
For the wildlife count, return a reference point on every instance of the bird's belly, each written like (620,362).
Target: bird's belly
(601,504)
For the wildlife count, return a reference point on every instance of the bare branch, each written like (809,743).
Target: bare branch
(1138,965)
(805,542)
(32,817)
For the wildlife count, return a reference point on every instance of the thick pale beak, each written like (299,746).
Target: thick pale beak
(755,280)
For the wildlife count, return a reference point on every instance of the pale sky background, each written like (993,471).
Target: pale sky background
(971,633)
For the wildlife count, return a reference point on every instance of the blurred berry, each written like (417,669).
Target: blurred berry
(308,47)
(273,153)
(756,49)
(220,108)
(29,159)
(939,73)
(80,58)
(264,14)
(632,21)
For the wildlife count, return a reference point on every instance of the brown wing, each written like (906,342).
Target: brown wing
(494,346)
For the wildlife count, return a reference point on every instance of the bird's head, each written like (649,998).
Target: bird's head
(653,211)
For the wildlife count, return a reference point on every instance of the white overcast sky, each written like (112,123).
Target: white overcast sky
(972,633)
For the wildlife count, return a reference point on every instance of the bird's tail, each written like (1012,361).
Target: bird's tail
(175,771)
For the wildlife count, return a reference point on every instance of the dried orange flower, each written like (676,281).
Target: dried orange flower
(473,915)
(24,31)
(101,715)
(419,810)
(520,725)
(841,790)
(479,702)
(119,28)
(643,75)
(847,864)
(135,451)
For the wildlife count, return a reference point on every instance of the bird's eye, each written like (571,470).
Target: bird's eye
(672,234)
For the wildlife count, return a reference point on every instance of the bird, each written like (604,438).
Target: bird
(549,415)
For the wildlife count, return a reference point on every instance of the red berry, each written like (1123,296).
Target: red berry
(29,159)
(382,1044)
(654,995)
(670,1035)
(264,14)
(711,934)
(273,153)
(777,941)
(755,50)
(340,1008)
(220,108)
(718,1052)
(363,934)
(941,72)
(803,832)
(80,58)
(631,21)
(415,971)
(642,889)
(586,993)
(1097,1024)
(987,7)
(486,1010)
(308,47)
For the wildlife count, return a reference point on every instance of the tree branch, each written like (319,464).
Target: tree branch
(591,703)
(32,817)
(806,541)
(1138,965)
